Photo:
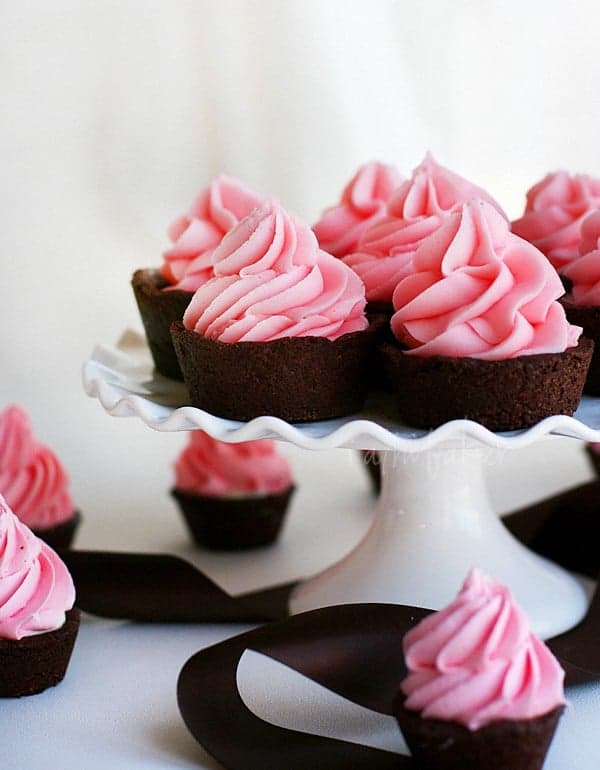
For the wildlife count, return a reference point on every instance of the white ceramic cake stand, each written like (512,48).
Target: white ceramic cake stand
(433,520)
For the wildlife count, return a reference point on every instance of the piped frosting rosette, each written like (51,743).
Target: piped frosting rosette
(36,589)
(476,661)
(272,281)
(363,202)
(555,209)
(212,468)
(215,211)
(418,207)
(32,478)
(478,291)
(584,271)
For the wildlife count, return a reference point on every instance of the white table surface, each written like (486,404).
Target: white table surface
(117,706)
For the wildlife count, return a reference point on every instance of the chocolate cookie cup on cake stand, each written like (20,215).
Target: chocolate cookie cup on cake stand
(34,482)
(38,623)
(482,692)
(279,330)
(232,496)
(582,303)
(480,333)
(163,294)
(158,309)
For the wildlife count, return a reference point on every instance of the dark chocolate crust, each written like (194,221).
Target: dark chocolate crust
(589,318)
(32,664)
(300,379)
(158,310)
(60,536)
(501,745)
(501,395)
(232,523)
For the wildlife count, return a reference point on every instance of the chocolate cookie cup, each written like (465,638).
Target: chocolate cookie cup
(234,523)
(158,310)
(61,535)
(501,745)
(587,316)
(501,395)
(34,663)
(299,379)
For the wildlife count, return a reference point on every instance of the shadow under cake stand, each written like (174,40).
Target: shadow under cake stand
(433,520)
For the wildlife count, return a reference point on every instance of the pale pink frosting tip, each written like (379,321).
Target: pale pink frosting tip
(36,589)
(211,468)
(476,661)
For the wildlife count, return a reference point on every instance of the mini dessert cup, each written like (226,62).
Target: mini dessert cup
(234,523)
(158,309)
(482,691)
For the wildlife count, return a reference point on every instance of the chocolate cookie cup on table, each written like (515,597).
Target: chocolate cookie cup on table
(482,692)
(232,496)
(479,332)
(234,523)
(158,309)
(38,623)
(299,379)
(501,395)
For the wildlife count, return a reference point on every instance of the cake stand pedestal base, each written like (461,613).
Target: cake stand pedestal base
(433,522)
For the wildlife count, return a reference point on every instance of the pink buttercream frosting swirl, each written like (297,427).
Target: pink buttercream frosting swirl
(32,478)
(418,207)
(363,202)
(36,589)
(476,661)
(555,209)
(584,271)
(476,290)
(272,281)
(213,468)
(215,211)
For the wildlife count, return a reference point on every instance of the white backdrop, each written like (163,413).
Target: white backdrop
(115,113)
